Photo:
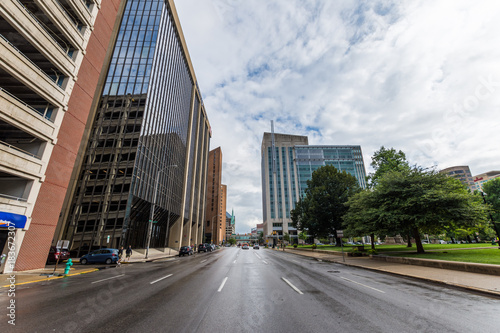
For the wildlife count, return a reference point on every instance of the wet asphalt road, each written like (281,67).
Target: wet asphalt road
(235,290)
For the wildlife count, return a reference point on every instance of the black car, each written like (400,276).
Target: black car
(185,250)
(204,248)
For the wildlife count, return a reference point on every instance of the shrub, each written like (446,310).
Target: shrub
(372,251)
(294,246)
(314,246)
(356,253)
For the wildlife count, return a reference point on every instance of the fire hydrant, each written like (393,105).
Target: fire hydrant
(68,266)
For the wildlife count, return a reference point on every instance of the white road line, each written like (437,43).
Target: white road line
(222,285)
(265,262)
(364,285)
(114,277)
(257,255)
(293,287)
(203,261)
(169,275)
(296,261)
(234,262)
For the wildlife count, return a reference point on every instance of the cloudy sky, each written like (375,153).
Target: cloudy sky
(419,76)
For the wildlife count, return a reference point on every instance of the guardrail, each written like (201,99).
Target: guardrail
(15,48)
(38,113)
(45,29)
(12,197)
(20,150)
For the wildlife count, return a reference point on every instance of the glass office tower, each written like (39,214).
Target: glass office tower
(144,171)
(344,158)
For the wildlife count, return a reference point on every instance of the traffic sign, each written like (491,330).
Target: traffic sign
(340,233)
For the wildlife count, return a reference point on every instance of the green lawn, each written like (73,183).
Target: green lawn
(451,252)
(400,248)
(482,256)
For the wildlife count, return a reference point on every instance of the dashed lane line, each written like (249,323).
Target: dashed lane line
(364,285)
(293,287)
(169,275)
(113,277)
(222,285)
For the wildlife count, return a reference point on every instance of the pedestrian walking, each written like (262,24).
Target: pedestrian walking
(120,255)
(128,252)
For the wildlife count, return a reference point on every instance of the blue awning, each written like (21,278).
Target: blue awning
(11,219)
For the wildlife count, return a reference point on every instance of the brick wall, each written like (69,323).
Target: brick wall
(37,241)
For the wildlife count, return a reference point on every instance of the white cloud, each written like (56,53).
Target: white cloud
(423,77)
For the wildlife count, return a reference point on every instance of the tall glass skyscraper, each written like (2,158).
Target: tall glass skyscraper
(142,180)
(287,164)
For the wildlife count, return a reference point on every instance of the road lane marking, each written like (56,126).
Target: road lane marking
(169,275)
(257,255)
(364,285)
(203,261)
(296,261)
(234,262)
(293,287)
(222,285)
(265,262)
(114,277)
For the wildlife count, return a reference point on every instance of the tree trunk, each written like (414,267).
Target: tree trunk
(418,241)
(409,239)
(468,239)
(338,241)
(372,237)
(477,239)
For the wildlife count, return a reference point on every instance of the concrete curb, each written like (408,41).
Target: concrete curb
(453,265)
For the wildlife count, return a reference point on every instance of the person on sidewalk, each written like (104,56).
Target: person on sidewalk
(128,253)
(120,255)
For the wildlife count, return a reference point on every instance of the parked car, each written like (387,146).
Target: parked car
(103,256)
(204,248)
(55,254)
(256,247)
(185,250)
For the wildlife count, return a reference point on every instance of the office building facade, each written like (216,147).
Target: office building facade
(280,188)
(142,176)
(463,174)
(51,55)
(216,200)
(288,162)
(482,178)
(345,158)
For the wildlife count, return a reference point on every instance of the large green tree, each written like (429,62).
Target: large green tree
(425,201)
(492,190)
(321,210)
(385,160)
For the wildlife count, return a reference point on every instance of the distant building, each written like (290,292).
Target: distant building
(482,178)
(344,158)
(287,163)
(216,200)
(230,225)
(280,187)
(463,174)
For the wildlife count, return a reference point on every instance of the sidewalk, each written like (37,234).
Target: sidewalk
(483,283)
